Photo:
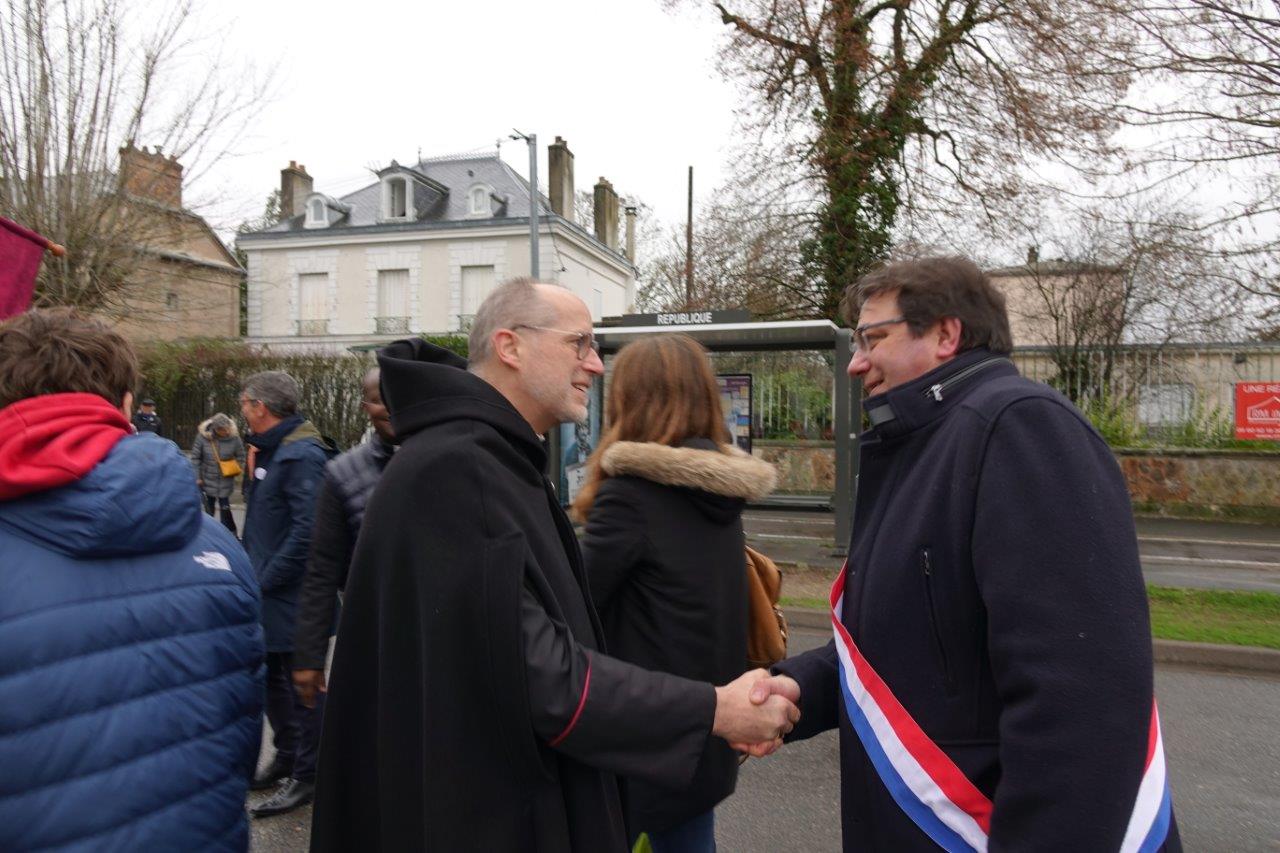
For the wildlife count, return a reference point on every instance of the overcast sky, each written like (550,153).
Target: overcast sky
(630,86)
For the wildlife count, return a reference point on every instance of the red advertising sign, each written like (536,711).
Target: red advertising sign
(1258,410)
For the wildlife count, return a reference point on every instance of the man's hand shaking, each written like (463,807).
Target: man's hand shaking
(755,711)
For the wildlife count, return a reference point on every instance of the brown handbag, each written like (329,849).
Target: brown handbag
(766,625)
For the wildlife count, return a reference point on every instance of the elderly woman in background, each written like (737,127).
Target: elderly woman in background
(218,457)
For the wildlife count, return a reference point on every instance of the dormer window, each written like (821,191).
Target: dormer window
(479,201)
(395,197)
(323,211)
(317,217)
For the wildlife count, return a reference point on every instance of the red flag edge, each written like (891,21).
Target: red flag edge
(42,242)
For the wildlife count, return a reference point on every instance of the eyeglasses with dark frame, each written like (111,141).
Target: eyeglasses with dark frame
(585,342)
(860,333)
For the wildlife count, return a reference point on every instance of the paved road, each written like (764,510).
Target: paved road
(1222,735)
(1214,555)
(1221,740)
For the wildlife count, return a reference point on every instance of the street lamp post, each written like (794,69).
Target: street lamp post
(532,140)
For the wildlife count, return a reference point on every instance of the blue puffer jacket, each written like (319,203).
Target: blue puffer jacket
(131,675)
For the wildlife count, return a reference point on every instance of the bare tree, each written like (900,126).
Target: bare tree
(889,105)
(1136,276)
(80,80)
(746,255)
(1209,114)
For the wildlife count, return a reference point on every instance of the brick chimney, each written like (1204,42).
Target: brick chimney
(560,167)
(606,214)
(151,176)
(630,211)
(295,186)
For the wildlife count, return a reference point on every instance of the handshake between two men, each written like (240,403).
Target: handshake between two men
(755,711)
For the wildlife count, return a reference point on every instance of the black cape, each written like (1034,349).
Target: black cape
(471,706)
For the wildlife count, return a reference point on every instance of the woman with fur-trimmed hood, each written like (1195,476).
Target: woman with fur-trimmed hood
(217,439)
(664,553)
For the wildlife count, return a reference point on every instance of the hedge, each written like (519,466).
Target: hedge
(192,380)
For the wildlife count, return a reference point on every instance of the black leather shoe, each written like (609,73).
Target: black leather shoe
(291,795)
(268,778)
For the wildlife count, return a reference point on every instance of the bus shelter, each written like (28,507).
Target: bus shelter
(748,337)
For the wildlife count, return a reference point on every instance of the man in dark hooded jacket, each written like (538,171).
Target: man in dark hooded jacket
(471,706)
(130,650)
(348,482)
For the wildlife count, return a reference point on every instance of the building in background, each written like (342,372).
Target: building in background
(186,283)
(419,248)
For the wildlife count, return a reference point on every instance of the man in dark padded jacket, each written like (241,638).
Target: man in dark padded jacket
(471,706)
(348,482)
(990,670)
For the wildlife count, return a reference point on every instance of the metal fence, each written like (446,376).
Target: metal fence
(791,392)
(331,395)
(1173,394)
(1179,394)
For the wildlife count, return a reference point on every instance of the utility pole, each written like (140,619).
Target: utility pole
(534,218)
(688,250)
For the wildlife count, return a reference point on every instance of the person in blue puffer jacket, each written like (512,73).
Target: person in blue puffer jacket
(131,653)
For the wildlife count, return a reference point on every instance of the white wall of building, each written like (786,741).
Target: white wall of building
(434,264)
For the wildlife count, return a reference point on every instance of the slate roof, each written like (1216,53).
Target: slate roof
(510,191)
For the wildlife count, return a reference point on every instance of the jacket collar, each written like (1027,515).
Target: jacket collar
(931,396)
(423,385)
(268,440)
(730,472)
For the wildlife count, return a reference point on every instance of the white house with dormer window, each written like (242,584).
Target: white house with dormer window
(417,251)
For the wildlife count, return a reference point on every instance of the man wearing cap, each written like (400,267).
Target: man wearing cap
(146,419)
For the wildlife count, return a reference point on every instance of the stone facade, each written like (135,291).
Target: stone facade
(1239,479)
(1207,480)
(186,283)
(804,467)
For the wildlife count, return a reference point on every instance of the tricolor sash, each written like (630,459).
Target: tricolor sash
(930,788)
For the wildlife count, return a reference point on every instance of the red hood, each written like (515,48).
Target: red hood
(55,439)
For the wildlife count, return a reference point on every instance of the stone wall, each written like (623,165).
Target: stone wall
(804,467)
(1207,480)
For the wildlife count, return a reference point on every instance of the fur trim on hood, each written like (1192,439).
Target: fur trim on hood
(734,474)
(206,432)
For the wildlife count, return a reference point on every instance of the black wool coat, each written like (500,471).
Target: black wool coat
(664,552)
(993,583)
(471,706)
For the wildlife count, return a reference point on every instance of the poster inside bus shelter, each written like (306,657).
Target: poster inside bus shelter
(735,403)
(1258,410)
(576,443)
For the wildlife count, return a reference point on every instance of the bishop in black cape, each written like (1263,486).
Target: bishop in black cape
(471,705)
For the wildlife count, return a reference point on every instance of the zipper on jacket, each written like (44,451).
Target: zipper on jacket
(947,679)
(935,391)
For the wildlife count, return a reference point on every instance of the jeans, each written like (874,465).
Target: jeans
(296,728)
(695,835)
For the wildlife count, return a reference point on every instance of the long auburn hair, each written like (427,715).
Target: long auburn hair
(661,390)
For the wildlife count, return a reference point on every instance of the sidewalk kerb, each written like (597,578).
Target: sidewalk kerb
(1239,659)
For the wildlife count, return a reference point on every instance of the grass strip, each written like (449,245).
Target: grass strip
(1223,616)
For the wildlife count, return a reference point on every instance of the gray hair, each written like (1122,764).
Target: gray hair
(276,390)
(514,303)
(220,421)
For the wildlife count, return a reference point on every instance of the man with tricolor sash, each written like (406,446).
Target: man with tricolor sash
(990,670)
